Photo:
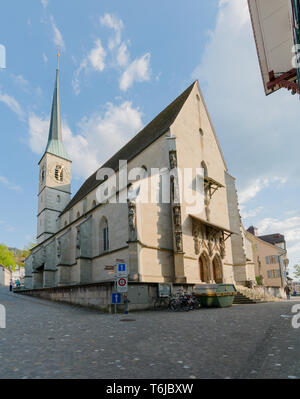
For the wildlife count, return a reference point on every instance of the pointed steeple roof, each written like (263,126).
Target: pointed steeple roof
(55,145)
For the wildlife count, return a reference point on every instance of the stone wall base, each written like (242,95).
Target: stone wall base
(99,295)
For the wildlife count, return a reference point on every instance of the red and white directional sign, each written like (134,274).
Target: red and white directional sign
(122,284)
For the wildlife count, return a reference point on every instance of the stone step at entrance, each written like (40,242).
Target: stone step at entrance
(240,299)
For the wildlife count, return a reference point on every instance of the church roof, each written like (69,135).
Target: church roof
(156,128)
(55,145)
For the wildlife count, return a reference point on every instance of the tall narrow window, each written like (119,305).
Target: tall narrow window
(71,215)
(84,205)
(104,235)
(43,175)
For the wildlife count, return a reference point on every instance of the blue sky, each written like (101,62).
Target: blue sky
(122,62)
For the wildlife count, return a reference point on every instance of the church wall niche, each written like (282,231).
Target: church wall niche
(38,259)
(50,253)
(205,267)
(217,268)
(64,248)
(84,244)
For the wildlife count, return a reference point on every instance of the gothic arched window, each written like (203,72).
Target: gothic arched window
(104,235)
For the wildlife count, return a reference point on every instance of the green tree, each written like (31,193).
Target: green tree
(7,258)
(297,271)
(27,249)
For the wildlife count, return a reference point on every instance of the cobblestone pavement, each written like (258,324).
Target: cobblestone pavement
(44,339)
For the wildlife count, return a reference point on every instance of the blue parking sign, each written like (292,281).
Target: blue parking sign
(116,298)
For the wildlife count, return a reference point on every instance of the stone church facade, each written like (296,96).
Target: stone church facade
(80,239)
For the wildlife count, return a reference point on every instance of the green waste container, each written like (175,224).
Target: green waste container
(215,295)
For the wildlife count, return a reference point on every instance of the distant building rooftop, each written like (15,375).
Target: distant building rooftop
(273,238)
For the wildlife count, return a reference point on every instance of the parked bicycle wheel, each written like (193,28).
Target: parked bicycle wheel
(174,305)
(157,304)
(196,303)
(185,304)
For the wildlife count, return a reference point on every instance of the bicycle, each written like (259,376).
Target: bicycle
(161,303)
(179,301)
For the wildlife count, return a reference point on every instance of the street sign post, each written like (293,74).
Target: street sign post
(116,298)
(122,284)
(122,270)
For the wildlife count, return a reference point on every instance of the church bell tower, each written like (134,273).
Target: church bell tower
(54,174)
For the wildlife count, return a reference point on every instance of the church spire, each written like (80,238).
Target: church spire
(55,145)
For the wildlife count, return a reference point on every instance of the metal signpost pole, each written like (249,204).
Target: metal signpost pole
(115,288)
(122,282)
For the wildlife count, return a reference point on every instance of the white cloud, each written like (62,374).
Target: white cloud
(12,104)
(116,56)
(97,56)
(118,48)
(44,3)
(138,70)
(21,81)
(99,136)
(250,213)
(95,60)
(9,185)
(123,55)
(258,185)
(75,80)
(45,58)
(57,36)
(117,25)
(38,133)
(252,190)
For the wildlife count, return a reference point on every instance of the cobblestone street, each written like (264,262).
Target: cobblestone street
(51,340)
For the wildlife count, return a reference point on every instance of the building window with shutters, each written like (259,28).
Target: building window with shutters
(274,273)
(272,259)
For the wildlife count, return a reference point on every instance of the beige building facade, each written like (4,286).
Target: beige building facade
(270,261)
(5,276)
(159,233)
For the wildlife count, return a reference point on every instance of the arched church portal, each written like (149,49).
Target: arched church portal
(204,268)
(217,269)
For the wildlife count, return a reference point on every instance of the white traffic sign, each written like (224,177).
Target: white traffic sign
(122,284)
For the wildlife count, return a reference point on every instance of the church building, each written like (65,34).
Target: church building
(79,239)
